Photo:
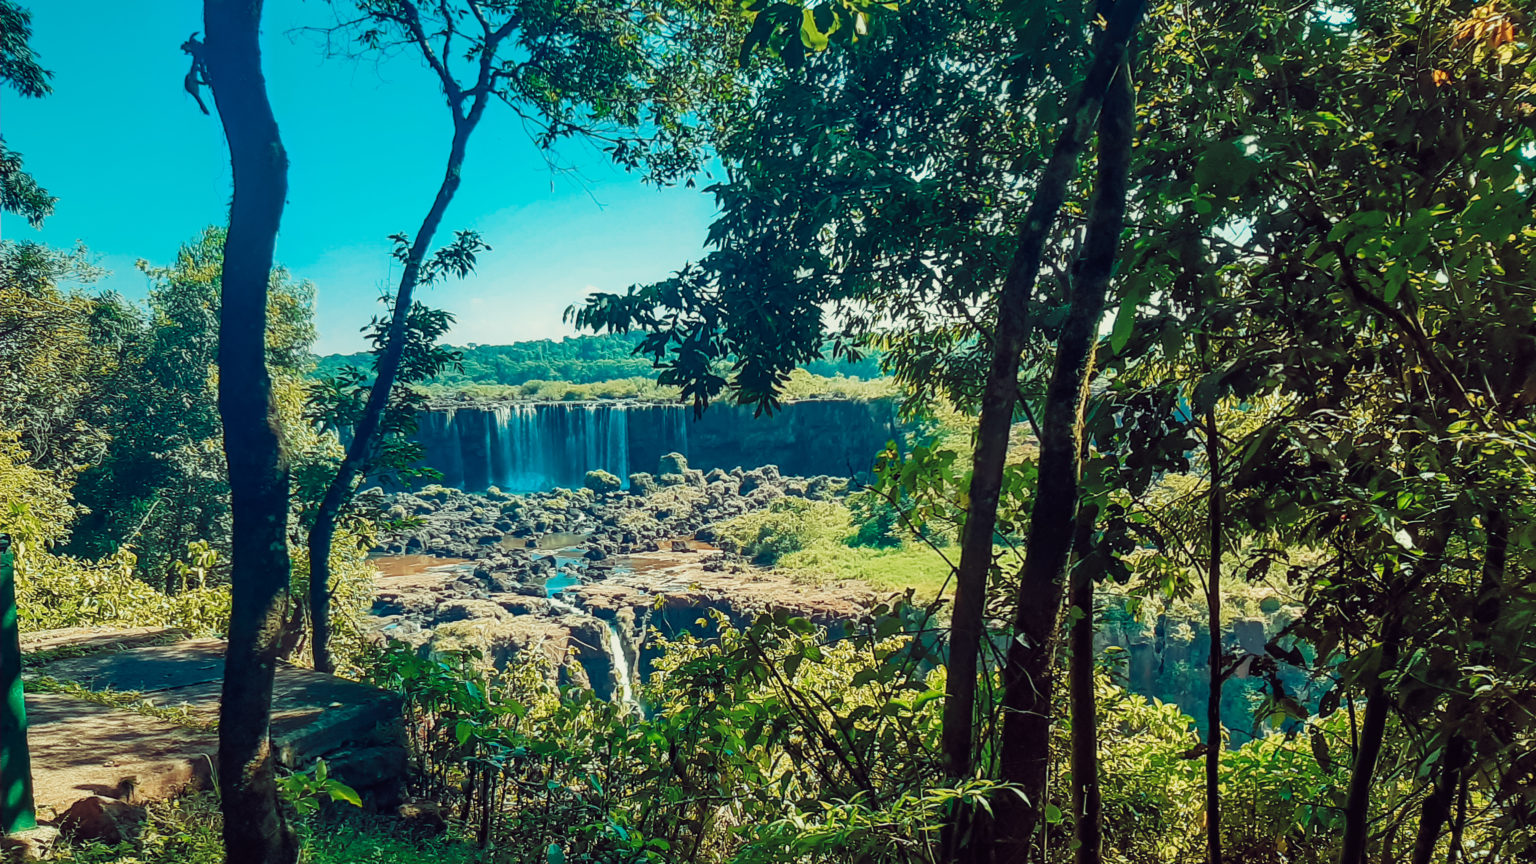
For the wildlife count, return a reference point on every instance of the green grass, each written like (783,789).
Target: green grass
(128,700)
(911,565)
(801,385)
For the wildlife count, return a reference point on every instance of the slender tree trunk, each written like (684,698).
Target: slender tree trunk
(255,831)
(1001,392)
(1087,798)
(1373,727)
(1459,826)
(1449,779)
(1213,622)
(386,367)
(1024,756)
(1437,805)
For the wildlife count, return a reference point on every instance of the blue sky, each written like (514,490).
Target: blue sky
(139,170)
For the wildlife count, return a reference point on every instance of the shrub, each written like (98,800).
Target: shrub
(735,763)
(54,591)
(787,525)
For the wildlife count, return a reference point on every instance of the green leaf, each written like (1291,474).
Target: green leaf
(1125,320)
(554,855)
(342,792)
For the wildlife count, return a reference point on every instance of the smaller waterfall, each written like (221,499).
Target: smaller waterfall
(623,678)
(613,642)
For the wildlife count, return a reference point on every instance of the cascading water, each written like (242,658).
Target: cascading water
(524,447)
(536,446)
(623,678)
(613,642)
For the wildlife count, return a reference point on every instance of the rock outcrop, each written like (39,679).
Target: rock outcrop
(578,580)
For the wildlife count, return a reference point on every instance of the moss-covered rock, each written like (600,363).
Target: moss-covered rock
(601,481)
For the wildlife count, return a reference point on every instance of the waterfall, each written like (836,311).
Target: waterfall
(623,677)
(613,642)
(525,447)
(537,446)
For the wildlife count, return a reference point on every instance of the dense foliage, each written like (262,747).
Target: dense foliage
(1272,459)
(574,360)
(111,461)
(1323,321)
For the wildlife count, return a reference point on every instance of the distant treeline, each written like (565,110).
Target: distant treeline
(574,359)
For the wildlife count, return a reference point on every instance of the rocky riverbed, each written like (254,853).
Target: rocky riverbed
(584,579)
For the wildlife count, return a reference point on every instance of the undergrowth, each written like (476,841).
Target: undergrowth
(188,830)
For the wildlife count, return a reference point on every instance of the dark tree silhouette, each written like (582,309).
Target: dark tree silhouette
(255,831)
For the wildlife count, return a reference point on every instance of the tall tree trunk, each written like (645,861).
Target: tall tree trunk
(1373,729)
(386,368)
(1436,810)
(1001,392)
(1087,798)
(1459,826)
(1213,622)
(255,831)
(1024,756)
(1454,755)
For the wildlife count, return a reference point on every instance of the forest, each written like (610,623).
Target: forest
(591,359)
(1202,338)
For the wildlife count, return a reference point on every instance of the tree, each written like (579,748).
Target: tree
(255,830)
(53,366)
(1384,329)
(19,193)
(759,301)
(600,70)
(161,481)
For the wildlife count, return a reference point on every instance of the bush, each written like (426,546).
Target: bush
(787,525)
(54,591)
(734,763)
(878,521)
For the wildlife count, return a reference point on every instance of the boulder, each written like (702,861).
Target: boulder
(469,610)
(673,463)
(423,817)
(517,604)
(377,773)
(33,844)
(410,602)
(106,820)
(546,641)
(602,482)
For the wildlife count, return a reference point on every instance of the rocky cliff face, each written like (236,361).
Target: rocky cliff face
(580,578)
(1169,658)
(524,446)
